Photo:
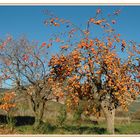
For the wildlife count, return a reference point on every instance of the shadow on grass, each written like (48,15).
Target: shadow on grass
(83,129)
(24,120)
(47,128)
(117,130)
(3,119)
(19,120)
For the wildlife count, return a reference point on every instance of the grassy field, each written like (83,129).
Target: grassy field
(24,123)
(82,129)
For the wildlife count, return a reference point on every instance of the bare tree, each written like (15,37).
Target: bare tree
(24,68)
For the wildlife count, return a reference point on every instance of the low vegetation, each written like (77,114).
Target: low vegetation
(57,121)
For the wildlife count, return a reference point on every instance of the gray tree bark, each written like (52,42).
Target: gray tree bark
(109,116)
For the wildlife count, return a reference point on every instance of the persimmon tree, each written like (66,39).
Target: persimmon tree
(24,69)
(7,101)
(7,104)
(104,71)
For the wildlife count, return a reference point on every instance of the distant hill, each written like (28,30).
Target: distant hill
(134,107)
(53,108)
(3,90)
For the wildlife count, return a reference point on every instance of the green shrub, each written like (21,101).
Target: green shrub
(45,128)
(77,114)
(62,116)
(10,122)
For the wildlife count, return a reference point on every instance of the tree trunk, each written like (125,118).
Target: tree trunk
(39,114)
(37,122)
(109,116)
(38,111)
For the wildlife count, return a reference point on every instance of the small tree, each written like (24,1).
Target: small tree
(24,68)
(7,105)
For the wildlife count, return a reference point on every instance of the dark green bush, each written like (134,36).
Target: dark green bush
(62,116)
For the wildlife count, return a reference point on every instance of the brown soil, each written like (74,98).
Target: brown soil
(5,130)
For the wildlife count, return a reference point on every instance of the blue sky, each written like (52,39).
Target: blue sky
(28,20)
